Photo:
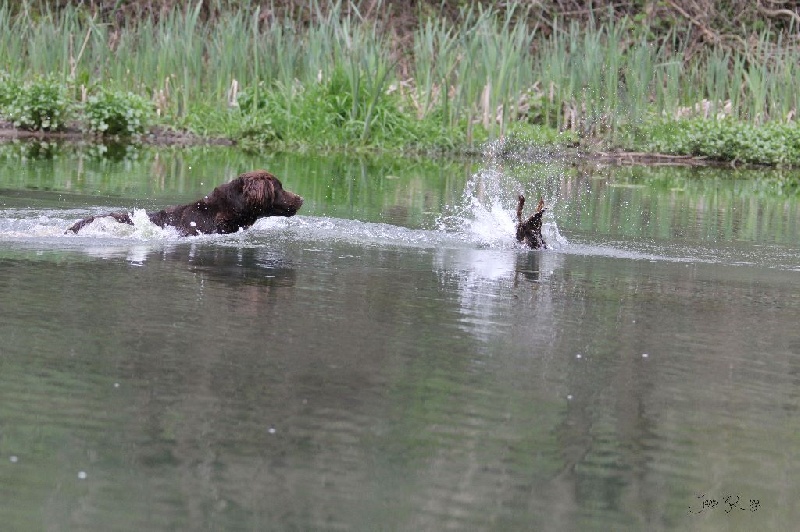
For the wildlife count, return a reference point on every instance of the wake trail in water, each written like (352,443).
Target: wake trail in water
(488,230)
(44,224)
(480,221)
(484,217)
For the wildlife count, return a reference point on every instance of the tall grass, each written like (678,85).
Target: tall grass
(491,69)
(475,72)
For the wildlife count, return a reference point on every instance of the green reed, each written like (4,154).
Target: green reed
(476,72)
(490,69)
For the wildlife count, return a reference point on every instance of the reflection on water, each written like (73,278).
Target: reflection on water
(397,361)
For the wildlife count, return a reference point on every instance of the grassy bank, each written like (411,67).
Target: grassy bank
(338,80)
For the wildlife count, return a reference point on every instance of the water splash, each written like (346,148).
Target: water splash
(18,223)
(486,213)
(24,224)
(142,228)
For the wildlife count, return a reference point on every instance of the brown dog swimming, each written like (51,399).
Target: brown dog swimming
(531,229)
(232,206)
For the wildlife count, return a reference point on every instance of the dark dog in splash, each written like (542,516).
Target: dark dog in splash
(530,230)
(232,206)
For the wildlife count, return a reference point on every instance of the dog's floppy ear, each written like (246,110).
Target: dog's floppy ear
(258,188)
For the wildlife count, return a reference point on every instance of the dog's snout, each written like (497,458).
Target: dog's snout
(296,202)
(289,205)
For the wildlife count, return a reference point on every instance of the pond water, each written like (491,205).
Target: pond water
(390,358)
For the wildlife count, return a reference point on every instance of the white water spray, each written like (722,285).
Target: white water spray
(486,213)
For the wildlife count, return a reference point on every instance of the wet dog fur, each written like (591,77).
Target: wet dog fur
(530,230)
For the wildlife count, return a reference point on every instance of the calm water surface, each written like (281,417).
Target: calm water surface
(390,359)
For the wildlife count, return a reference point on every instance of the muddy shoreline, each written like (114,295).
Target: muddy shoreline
(156,136)
(163,137)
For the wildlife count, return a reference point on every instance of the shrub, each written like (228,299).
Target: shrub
(340,112)
(117,113)
(9,91)
(42,104)
(725,139)
(259,128)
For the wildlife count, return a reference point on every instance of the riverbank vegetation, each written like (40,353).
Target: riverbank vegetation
(376,75)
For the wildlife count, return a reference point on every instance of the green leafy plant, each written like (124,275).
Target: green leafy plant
(258,128)
(726,139)
(9,90)
(41,104)
(117,113)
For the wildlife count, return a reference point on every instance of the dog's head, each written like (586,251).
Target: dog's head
(264,193)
